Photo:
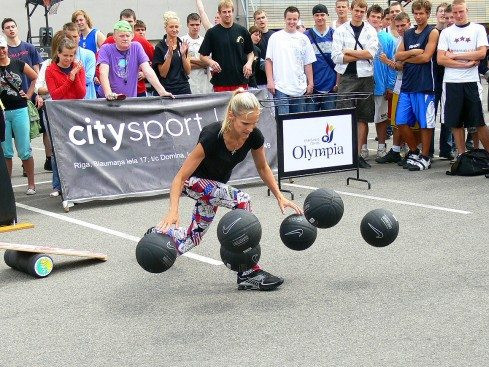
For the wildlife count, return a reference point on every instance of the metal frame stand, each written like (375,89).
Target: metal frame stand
(349,97)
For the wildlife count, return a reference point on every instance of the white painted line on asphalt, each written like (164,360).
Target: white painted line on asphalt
(112,232)
(386,199)
(37,183)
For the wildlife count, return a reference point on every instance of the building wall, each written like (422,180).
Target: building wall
(105,13)
(478,10)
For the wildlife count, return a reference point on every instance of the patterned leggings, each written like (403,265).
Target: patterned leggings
(209,195)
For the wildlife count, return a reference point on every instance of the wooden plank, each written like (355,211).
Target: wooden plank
(16,227)
(52,250)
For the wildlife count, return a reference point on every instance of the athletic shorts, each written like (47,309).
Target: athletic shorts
(364,107)
(381,108)
(461,105)
(414,106)
(394,100)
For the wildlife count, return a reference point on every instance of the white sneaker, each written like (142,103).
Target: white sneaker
(381,152)
(364,153)
(30,191)
(55,193)
(420,165)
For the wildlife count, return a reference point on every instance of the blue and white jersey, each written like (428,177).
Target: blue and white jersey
(323,68)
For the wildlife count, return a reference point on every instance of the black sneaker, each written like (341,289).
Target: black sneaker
(411,158)
(390,157)
(448,155)
(258,280)
(152,230)
(402,162)
(362,163)
(47,164)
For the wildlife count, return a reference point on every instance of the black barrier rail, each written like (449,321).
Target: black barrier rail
(319,108)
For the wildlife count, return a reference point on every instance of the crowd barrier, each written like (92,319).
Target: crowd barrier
(110,150)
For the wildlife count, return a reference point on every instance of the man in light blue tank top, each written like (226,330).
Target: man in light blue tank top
(417,97)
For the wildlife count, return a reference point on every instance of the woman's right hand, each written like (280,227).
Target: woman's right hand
(170,219)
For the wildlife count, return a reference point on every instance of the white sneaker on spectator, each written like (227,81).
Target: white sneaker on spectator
(30,191)
(364,153)
(381,152)
(423,163)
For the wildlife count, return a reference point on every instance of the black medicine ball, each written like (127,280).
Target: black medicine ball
(297,233)
(156,252)
(379,227)
(240,261)
(239,230)
(323,208)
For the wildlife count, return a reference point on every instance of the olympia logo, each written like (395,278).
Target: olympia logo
(307,152)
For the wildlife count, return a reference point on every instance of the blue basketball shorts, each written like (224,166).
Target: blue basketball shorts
(416,107)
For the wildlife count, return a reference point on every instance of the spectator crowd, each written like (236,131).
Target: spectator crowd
(408,72)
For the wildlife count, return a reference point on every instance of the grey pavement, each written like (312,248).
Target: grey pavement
(422,301)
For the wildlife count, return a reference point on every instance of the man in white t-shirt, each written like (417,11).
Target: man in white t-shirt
(199,79)
(460,49)
(288,65)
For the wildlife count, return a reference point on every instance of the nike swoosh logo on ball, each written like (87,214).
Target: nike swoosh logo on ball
(226,230)
(378,232)
(298,231)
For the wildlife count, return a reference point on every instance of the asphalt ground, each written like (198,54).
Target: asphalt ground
(422,301)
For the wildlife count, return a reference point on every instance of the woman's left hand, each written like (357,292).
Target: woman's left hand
(283,202)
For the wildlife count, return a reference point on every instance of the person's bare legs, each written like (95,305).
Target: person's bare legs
(483,136)
(381,129)
(29,169)
(362,129)
(408,137)
(459,137)
(426,135)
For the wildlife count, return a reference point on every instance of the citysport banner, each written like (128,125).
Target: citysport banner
(110,150)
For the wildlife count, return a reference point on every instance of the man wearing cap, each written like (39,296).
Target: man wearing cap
(321,37)
(120,62)
(288,65)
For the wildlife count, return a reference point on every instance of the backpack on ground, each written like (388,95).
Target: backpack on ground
(472,163)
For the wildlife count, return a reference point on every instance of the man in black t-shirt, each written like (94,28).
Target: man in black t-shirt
(231,49)
(261,21)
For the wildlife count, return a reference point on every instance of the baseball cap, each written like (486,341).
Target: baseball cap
(320,8)
(3,41)
(123,26)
